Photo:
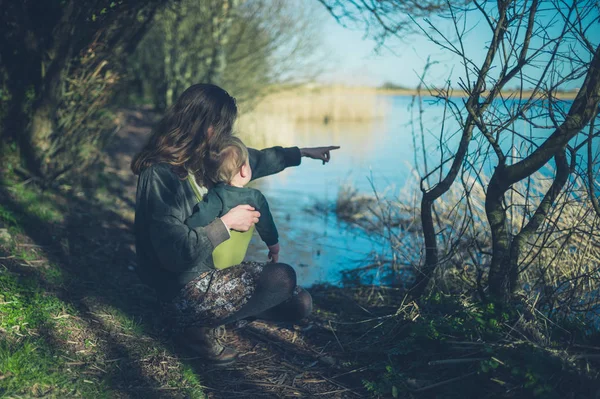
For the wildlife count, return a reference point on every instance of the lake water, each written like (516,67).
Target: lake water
(316,243)
(377,154)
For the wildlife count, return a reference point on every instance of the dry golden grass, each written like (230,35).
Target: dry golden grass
(291,117)
(265,130)
(324,104)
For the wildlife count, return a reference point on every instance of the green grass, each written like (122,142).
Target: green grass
(24,306)
(48,348)
(30,364)
(35,203)
(55,275)
(122,321)
(32,369)
(190,378)
(8,217)
(33,200)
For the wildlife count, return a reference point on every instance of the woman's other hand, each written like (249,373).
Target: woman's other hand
(322,153)
(241,218)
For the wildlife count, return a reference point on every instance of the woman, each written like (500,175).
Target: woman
(176,260)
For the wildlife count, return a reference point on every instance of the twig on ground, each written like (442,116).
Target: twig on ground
(352,371)
(455,361)
(331,392)
(336,337)
(439,384)
(587,356)
(340,385)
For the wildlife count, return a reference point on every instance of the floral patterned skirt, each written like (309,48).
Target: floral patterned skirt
(215,295)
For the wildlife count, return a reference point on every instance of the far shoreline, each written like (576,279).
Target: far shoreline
(342,90)
(507,94)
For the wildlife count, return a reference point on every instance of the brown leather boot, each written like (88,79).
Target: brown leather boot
(206,343)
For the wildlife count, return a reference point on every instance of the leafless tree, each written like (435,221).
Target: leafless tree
(535,51)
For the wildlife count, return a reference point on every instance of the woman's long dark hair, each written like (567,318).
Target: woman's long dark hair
(181,137)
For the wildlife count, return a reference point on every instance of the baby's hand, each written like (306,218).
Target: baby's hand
(274,253)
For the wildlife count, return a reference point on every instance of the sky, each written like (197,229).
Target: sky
(356,63)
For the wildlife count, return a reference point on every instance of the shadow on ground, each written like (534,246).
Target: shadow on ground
(94,250)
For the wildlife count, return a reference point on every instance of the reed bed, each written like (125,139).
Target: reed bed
(324,104)
(292,116)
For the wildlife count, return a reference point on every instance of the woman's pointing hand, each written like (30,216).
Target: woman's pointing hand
(322,153)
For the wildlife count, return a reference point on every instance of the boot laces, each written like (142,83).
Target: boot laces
(219,333)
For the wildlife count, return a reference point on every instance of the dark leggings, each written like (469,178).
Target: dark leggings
(276,297)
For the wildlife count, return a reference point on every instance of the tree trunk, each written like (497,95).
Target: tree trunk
(498,279)
(562,175)
(502,277)
(221,25)
(430,196)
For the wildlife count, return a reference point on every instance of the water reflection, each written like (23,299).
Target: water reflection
(315,243)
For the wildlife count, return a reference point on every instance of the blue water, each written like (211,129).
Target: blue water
(376,155)
(316,243)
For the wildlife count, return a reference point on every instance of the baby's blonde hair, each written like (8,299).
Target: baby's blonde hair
(225,159)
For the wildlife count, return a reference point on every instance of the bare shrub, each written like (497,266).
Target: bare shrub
(84,121)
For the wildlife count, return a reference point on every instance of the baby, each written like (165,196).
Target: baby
(227,167)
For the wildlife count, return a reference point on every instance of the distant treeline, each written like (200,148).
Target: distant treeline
(394,88)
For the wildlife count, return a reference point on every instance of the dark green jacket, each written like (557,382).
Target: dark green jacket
(170,253)
(223,197)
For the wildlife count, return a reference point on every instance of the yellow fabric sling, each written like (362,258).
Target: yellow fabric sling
(232,251)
